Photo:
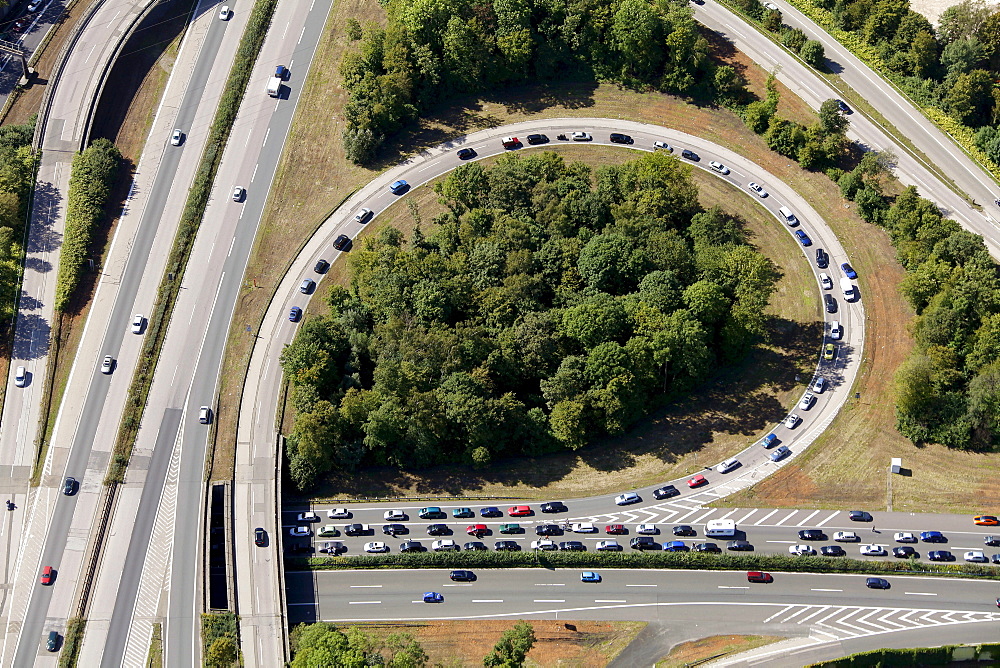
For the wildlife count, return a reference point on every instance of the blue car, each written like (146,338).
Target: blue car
(490,511)
(399,187)
(433,597)
(803,238)
(675,546)
(295,314)
(769,440)
(848,270)
(780,453)
(590,576)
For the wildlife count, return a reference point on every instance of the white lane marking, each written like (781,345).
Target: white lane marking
(787,517)
(919,593)
(786,542)
(266,135)
(365,586)
(728,587)
(780,612)
(821,610)
(550,584)
(812,515)
(550,600)
(826,590)
(642,585)
(745,517)
(608,600)
(364,602)
(764,519)
(456,585)
(832,515)
(487,600)
(254,175)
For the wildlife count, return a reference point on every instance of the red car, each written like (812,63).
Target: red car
(615,529)
(697,481)
(48,575)
(757,576)
(477,530)
(519,511)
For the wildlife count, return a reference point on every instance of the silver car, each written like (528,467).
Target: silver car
(108,364)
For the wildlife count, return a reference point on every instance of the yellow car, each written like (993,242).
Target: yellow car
(829,351)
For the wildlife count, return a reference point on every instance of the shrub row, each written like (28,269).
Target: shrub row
(94,172)
(194,210)
(919,656)
(680,560)
(72,642)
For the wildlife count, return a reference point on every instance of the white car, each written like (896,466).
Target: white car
(137,321)
(728,465)
(238,193)
(770,5)
(826,281)
(976,556)
(819,385)
(177,138)
(905,537)
(807,401)
(544,545)
(34,4)
(801,550)
(376,547)
(20,377)
(873,550)
(300,531)
(756,189)
(394,516)
(792,421)
(224,13)
(445,545)
(663,146)
(363,216)
(583,527)
(308,517)
(108,364)
(581,136)
(719,167)
(647,529)
(627,498)
(339,514)
(846,537)
(608,545)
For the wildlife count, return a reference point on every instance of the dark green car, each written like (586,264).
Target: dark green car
(511,528)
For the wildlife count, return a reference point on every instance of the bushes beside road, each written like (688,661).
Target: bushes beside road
(630,559)
(94,172)
(17,173)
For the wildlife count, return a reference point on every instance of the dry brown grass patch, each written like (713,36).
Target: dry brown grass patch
(692,652)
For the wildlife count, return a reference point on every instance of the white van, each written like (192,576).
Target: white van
(836,331)
(849,289)
(728,465)
(789,217)
(720,528)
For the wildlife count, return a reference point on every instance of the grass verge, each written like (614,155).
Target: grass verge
(944,655)
(656,559)
(194,209)
(695,652)
(72,642)
(155,657)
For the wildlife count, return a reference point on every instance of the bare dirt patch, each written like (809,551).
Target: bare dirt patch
(695,651)
(455,644)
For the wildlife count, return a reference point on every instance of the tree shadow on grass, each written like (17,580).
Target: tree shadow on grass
(739,400)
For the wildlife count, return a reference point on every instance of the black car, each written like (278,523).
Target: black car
(992,541)
(903,551)
(321,266)
(831,303)
(462,576)
(859,516)
(832,551)
(739,546)
(437,530)
(995,558)
(52,644)
(665,492)
(411,546)
(394,529)
(554,507)
(259,537)
(69,488)
(619,138)
(683,530)
(822,259)
(940,555)
(474,546)
(354,529)
(690,155)
(642,543)
(812,534)
(876,583)
(537,139)
(844,109)
(706,547)
(506,546)
(547,530)
(572,546)
(342,242)
(466,153)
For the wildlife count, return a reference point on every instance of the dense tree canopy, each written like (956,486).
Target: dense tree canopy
(322,645)
(549,305)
